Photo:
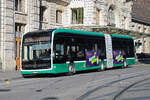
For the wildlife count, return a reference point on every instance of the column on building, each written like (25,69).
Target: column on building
(33,14)
(44,14)
(50,14)
(65,16)
(7,35)
(119,14)
(103,15)
(89,13)
(0,39)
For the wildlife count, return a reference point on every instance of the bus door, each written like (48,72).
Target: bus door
(59,53)
(71,52)
(109,55)
(59,50)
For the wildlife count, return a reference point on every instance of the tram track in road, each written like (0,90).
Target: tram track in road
(109,84)
(117,97)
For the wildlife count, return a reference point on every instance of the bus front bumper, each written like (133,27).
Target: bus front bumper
(37,72)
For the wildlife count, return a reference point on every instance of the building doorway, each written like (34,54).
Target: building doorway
(19,30)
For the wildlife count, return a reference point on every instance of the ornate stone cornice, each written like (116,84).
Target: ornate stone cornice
(61,2)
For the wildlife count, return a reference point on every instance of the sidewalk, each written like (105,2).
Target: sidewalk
(4,76)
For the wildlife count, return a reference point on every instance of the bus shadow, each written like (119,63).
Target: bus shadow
(77,73)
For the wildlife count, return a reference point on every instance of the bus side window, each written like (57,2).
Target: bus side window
(80,52)
(130,48)
(73,52)
(68,51)
(125,45)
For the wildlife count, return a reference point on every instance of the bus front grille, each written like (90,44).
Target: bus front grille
(35,65)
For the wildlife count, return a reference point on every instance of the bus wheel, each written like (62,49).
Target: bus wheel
(71,69)
(25,76)
(125,64)
(102,66)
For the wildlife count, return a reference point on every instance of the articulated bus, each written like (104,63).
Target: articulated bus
(56,51)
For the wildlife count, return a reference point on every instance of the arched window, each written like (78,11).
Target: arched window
(111,16)
(77,15)
(59,16)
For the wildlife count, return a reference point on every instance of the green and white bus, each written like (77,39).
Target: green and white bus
(56,51)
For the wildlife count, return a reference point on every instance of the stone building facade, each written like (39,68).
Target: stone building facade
(141,22)
(7,31)
(18,17)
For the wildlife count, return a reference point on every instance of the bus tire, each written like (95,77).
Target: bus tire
(102,66)
(25,76)
(71,69)
(125,64)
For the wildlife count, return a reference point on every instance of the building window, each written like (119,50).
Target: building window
(77,15)
(111,16)
(42,13)
(42,16)
(19,5)
(97,16)
(132,27)
(59,16)
(145,30)
(19,30)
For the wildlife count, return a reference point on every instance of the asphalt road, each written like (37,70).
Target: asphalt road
(114,84)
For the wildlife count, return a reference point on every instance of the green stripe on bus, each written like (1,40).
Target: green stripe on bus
(78,32)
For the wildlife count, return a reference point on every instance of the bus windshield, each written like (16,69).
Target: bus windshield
(36,47)
(36,51)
